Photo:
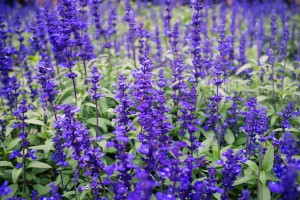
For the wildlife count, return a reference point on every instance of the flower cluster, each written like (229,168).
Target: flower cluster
(286,115)
(123,126)
(287,173)
(196,39)
(48,85)
(232,169)
(4,189)
(94,80)
(256,123)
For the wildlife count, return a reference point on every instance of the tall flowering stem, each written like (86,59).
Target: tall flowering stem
(273,29)
(22,48)
(49,92)
(174,40)
(94,91)
(9,85)
(123,126)
(283,47)
(162,127)
(286,115)
(272,62)
(20,114)
(3,128)
(256,124)
(48,85)
(232,168)
(83,42)
(71,39)
(207,188)
(53,26)
(213,107)
(257,33)
(231,120)
(287,171)
(158,45)
(144,95)
(196,39)
(242,50)
(99,27)
(129,18)
(189,122)
(178,80)
(77,138)
(218,72)
(223,46)
(167,19)
(171,168)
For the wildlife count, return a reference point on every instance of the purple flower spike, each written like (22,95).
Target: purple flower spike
(94,80)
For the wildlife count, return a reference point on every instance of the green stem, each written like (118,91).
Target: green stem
(273,88)
(24,168)
(62,181)
(97,116)
(217,124)
(259,170)
(283,77)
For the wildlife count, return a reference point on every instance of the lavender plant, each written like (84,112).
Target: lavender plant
(94,80)
(194,61)
(25,152)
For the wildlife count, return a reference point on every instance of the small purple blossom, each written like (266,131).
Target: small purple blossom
(4,189)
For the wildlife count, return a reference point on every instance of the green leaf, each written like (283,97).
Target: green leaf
(264,193)
(13,143)
(243,180)
(229,137)
(288,129)
(15,173)
(67,92)
(263,178)
(273,120)
(205,145)
(252,165)
(35,122)
(243,68)
(69,194)
(40,165)
(6,164)
(9,128)
(262,98)
(217,196)
(268,161)
(38,147)
(42,190)
(48,147)
(90,105)
(263,59)
(82,195)
(102,122)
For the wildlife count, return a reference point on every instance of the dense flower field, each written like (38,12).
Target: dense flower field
(134,100)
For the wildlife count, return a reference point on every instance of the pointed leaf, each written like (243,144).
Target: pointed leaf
(40,165)
(268,161)
(243,68)
(6,164)
(15,173)
(35,122)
